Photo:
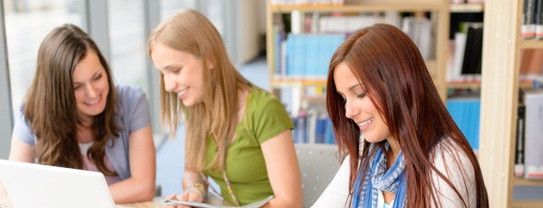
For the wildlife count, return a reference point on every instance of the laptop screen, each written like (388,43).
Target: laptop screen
(34,185)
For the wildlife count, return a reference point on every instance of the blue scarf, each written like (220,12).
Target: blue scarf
(378,178)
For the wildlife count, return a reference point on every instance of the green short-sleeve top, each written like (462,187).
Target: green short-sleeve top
(265,117)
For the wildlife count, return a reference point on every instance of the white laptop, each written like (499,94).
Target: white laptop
(32,185)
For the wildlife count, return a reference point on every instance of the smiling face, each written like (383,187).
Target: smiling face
(182,73)
(91,86)
(358,105)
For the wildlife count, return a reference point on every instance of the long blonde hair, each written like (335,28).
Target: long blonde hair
(190,31)
(50,106)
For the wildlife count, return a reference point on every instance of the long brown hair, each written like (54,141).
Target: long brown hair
(398,83)
(50,106)
(190,31)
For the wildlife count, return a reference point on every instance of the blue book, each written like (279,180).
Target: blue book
(466,114)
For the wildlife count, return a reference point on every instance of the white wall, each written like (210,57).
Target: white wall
(252,24)
(249,30)
(261,16)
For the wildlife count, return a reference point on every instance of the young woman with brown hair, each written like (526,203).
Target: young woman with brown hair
(75,117)
(411,154)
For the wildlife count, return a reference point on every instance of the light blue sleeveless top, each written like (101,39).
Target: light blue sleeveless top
(132,114)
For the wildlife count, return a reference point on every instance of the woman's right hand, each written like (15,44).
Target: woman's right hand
(189,196)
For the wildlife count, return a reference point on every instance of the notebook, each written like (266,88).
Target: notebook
(33,185)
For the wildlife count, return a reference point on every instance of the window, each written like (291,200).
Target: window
(170,7)
(127,42)
(27,23)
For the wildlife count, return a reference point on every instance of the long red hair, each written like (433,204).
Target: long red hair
(398,83)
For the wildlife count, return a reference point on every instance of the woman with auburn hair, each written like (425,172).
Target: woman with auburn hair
(411,153)
(75,117)
(237,134)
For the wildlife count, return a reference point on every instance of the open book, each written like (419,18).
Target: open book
(256,204)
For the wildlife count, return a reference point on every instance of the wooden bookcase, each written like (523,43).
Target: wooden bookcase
(502,44)
(440,19)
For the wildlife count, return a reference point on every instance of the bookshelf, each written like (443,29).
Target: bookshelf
(502,43)
(465,7)
(362,7)
(439,10)
(525,44)
(525,182)
(524,84)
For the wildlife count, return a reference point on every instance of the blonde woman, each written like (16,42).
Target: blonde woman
(75,117)
(237,134)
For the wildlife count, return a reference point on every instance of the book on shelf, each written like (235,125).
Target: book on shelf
(278,41)
(457,1)
(287,96)
(308,55)
(467,53)
(301,126)
(306,2)
(519,144)
(465,112)
(533,155)
(346,24)
(419,29)
(467,1)
(472,60)
(458,57)
(529,19)
(475,1)
(531,63)
(538,19)
(320,128)
(306,52)
(312,126)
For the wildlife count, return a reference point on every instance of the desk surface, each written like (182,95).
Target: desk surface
(212,198)
(156,203)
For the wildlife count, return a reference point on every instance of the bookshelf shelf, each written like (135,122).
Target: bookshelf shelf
(464,85)
(298,81)
(520,204)
(368,7)
(532,43)
(315,98)
(525,84)
(287,81)
(363,7)
(467,8)
(526,182)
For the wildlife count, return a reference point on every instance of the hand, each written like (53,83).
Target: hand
(5,201)
(191,196)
